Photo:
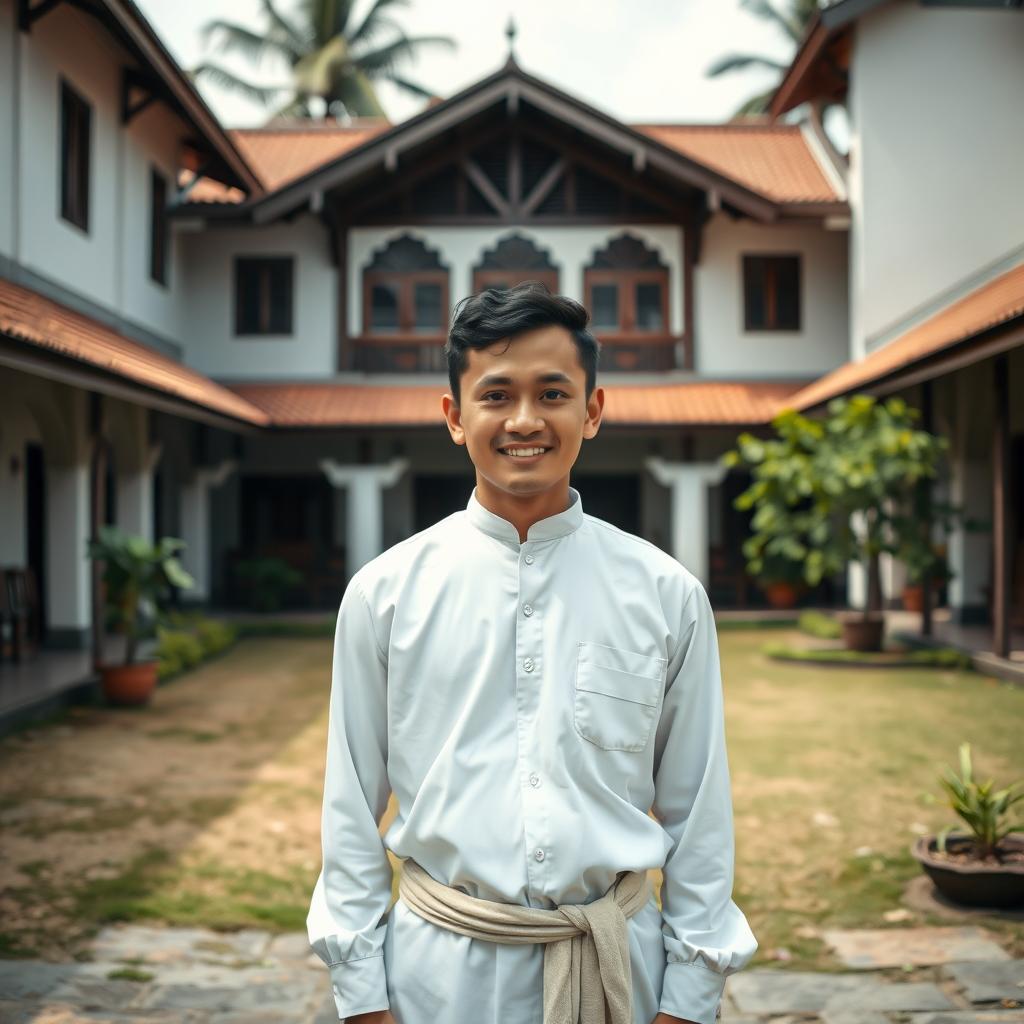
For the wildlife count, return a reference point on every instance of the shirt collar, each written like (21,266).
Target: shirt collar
(558,525)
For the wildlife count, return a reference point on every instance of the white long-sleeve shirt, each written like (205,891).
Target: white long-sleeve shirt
(528,703)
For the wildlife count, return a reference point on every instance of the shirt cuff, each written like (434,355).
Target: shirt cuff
(360,986)
(692,992)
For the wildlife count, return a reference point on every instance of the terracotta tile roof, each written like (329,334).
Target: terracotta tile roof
(990,305)
(773,159)
(279,154)
(350,405)
(29,317)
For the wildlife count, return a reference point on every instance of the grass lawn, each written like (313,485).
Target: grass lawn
(204,808)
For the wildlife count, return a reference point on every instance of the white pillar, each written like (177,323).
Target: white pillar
(195,525)
(68,568)
(689,482)
(364,536)
(135,495)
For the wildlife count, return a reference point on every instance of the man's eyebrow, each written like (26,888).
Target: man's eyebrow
(493,380)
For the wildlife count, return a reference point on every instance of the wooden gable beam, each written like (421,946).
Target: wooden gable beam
(486,187)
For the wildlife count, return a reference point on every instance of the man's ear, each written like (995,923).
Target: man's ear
(453,418)
(595,410)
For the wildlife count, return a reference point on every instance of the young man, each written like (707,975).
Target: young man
(529,681)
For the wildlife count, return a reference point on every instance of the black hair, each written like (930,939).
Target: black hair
(496,313)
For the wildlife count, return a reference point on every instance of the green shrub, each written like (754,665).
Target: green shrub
(214,636)
(820,625)
(181,650)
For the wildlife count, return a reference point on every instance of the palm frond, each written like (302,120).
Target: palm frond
(316,71)
(237,38)
(375,21)
(756,104)
(411,87)
(300,41)
(229,80)
(385,59)
(789,23)
(738,61)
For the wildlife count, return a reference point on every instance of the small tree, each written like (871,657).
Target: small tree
(841,489)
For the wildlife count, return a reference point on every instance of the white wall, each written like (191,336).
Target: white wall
(109,263)
(936,156)
(724,348)
(570,248)
(8,28)
(208,323)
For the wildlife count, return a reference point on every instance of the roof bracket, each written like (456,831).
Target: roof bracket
(639,160)
(29,13)
(132,80)
(181,196)
(391,160)
(512,101)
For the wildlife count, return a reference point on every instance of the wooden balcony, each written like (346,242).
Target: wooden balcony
(417,354)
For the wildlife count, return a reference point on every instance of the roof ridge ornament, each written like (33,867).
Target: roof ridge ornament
(510,34)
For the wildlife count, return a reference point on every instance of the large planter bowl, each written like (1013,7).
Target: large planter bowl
(860,633)
(129,684)
(973,883)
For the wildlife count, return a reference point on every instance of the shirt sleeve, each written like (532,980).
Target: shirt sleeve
(346,923)
(706,935)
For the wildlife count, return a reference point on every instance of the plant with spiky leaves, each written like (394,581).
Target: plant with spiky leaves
(332,55)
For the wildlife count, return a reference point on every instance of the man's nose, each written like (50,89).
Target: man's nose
(524,417)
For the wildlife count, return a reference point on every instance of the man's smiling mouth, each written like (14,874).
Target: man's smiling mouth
(523,452)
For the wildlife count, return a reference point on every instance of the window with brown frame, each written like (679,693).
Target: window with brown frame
(264,288)
(75,141)
(515,258)
(405,292)
(626,290)
(771,292)
(628,302)
(157,226)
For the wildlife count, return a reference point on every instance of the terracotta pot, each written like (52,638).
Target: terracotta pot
(781,595)
(860,633)
(973,884)
(913,595)
(129,684)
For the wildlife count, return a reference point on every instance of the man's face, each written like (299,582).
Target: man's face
(524,395)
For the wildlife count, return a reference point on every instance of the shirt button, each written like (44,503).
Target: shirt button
(534,779)
(538,854)
(527,609)
(528,559)
(528,664)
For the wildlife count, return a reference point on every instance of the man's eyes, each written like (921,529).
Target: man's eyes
(548,391)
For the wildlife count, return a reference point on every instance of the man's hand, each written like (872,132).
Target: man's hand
(374,1017)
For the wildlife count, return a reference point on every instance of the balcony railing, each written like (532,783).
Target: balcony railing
(416,354)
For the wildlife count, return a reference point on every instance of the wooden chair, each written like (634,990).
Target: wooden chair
(21,613)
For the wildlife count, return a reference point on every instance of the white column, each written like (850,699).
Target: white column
(68,568)
(856,573)
(195,525)
(135,495)
(364,537)
(689,482)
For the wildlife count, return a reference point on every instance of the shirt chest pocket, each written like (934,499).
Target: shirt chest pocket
(617,695)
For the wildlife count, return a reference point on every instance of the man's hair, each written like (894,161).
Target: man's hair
(496,313)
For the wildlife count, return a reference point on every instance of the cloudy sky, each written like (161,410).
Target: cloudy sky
(639,60)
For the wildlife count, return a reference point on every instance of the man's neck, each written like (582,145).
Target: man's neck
(522,511)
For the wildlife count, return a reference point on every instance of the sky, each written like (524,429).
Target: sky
(638,60)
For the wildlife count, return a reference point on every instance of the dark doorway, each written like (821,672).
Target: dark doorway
(435,497)
(290,518)
(614,498)
(35,524)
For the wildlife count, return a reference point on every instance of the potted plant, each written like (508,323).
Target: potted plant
(828,492)
(983,867)
(136,576)
(931,564)
(782,582)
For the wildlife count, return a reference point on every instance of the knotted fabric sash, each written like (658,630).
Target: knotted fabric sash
(587,977)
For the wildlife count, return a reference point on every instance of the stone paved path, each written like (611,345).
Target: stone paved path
(148,975)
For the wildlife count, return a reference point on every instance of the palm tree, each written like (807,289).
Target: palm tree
(330,55)
(793,22)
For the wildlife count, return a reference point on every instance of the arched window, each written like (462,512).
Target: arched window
(626,289)
(513,260)
(405,291)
